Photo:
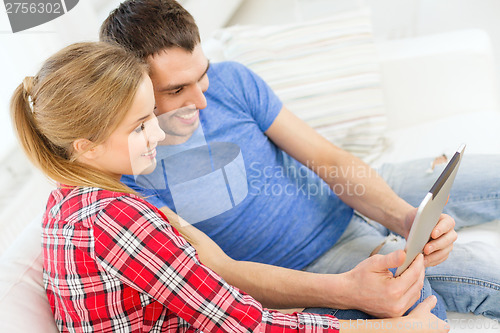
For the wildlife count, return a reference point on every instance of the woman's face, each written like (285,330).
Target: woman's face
(131,147)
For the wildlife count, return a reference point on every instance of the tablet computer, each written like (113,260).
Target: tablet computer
(430,210)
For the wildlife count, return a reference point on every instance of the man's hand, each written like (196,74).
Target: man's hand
(443,236)
(373,288)
(439,247)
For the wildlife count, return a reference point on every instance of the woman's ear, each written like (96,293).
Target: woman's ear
(86,148)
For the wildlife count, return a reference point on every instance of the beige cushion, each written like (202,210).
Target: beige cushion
(325,71)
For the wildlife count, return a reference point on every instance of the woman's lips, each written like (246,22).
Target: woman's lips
(150,154)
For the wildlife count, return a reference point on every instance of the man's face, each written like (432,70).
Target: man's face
(179,79)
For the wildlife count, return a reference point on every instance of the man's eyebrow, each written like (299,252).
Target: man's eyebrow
(206,70)
(178,86)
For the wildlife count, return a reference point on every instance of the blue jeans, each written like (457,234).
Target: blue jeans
(469,280)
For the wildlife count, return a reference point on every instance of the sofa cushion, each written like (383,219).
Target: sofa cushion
(28,192)
(23,303)
(325,71)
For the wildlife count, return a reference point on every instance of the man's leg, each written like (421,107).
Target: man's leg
(469,280)
(475,194)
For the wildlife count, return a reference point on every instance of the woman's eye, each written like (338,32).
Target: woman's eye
(140,128)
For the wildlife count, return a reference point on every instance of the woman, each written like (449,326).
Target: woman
(112,261)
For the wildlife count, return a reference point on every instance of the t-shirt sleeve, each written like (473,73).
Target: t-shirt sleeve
(150,194)
(135,243)
(262,102)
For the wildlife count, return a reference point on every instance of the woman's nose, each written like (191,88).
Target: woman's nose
(155,133)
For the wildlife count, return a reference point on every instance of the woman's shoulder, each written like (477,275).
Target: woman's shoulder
(78,208)
(71,202)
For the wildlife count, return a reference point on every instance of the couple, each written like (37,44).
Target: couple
(121,261)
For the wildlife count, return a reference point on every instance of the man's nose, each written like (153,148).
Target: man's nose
(198,96)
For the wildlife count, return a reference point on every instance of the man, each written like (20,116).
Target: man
(285,213)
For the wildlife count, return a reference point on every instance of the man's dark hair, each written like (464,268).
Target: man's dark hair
(145,27)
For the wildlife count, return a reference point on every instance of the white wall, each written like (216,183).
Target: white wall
(424,17)
(391,19)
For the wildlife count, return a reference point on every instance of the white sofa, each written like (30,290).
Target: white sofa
(438,90)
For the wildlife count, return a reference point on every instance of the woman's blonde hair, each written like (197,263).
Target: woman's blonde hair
(83,91)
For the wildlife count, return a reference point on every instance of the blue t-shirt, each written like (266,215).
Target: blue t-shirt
(229,180)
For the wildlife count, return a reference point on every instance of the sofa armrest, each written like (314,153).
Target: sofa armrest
(435,76)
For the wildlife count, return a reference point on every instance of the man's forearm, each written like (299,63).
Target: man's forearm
(351,179)
(359,186)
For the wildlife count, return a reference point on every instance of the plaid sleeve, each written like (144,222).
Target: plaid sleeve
(134,242)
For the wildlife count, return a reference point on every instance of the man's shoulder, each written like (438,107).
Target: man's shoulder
(228,65)
(227,68)
(231,77)
(128,179)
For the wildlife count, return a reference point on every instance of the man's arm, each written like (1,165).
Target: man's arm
(356,183)
(281,288)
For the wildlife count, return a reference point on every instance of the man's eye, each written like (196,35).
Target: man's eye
(140,128)
(175,92)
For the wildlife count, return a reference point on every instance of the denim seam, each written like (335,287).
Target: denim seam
(459,279)
(475,198)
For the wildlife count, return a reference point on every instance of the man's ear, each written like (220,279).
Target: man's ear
(86,149)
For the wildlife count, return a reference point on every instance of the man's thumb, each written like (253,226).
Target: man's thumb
(392,260)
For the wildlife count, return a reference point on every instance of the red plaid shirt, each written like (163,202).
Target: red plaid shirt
(112,263)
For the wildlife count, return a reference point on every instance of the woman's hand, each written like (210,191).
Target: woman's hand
(420,320)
